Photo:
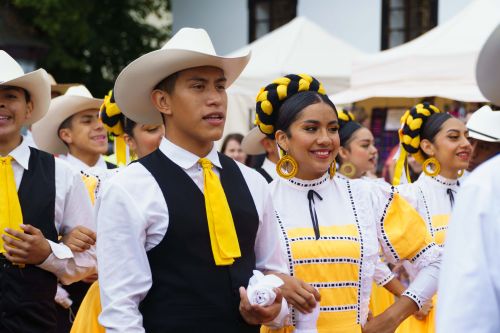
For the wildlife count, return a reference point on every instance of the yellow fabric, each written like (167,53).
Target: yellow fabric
(329,321)
(440,221)
(400,166)
(11,215)
(380,299)
(413,325)
(90,183)
(405,229)
(120,151)
(223,238)
(90,309)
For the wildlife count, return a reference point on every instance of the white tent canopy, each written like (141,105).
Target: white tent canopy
(440,63)
(299,46)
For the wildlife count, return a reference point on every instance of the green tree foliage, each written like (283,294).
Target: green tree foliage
(91,41)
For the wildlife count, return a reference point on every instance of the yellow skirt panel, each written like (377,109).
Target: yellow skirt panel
(86,318)
(440,222)
(380,299)
(405,229)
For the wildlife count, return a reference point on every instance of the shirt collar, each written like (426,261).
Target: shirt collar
(82,166)
(21,154)
(185,159)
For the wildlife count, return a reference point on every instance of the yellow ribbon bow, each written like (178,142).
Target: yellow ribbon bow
(223,237)
(11,215)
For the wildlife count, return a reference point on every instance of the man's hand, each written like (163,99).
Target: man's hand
(256,314)
(30,247)
(79,239)
(301,295)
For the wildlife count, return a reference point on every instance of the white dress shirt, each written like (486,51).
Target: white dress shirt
(72,208)
(82,166)
(469,283)
(133,218)
(270,168)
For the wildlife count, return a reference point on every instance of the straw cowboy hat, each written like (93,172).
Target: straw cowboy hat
(186,49)
(60,88)
(488,68)
(46,131)
(484,125)
(251,143)
(36,83)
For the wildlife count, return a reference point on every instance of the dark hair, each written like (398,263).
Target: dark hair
(168,83)
(294,105)
(233,136)
(128,125)
(433,125)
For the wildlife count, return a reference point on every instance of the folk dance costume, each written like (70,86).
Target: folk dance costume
(27,302)
(330,237)
(151,235)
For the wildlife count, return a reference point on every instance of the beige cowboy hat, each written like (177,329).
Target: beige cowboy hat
(36,83)
(60,88)
(46,131)
(484,125)
(251,143)
(488,68)
(188,48)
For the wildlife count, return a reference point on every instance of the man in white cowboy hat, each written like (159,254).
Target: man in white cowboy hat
(484,133)
(41,198)
(181,231)
(257,143)
(58,89)
(72,129)
(469,284)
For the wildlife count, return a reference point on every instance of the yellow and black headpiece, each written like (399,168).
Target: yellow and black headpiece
(270,98)
(347,125)
(111,116)
(410,135)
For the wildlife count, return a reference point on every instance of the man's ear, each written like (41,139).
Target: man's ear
(29,110)
(65,134)
(281,139)
(161,101)
(427,147)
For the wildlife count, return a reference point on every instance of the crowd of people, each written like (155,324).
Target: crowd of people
(169,242)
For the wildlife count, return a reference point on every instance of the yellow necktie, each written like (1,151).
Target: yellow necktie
(223,238)
(11,215)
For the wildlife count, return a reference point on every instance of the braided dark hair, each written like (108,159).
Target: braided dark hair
(413,125)
(280,95)
(113,119)
(347,126)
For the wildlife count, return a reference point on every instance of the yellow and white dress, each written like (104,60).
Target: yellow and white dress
(432,197)
(332,230)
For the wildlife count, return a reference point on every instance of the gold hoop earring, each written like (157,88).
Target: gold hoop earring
(348,169)
(435,165)
(333,169)
(461,173)
(283,165)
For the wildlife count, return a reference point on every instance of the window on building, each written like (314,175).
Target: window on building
(267,15)
(404,20)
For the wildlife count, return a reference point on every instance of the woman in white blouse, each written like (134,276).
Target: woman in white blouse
(440,143)
(332,227)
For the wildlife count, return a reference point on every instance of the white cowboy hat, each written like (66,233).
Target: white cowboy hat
(60,88)
(186,49)
(488,68)
(36,83)
(484,125)
(46,131)
(251,143)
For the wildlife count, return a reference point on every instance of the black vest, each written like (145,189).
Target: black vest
(27,294)
(189,292)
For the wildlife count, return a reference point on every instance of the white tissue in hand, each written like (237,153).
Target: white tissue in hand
(260,288)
